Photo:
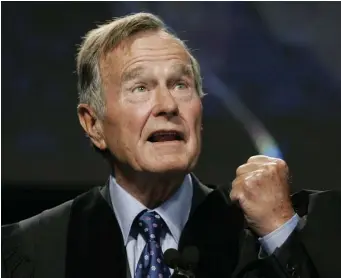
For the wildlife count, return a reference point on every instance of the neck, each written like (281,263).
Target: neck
(151,189)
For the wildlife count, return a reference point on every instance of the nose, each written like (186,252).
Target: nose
(166,105)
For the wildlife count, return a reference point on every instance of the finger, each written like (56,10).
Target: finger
(283,170)
(255,166)
(253,184)
(237,189)
(236,195)
(260,158)
(268,159)
(240,189)
(247,168)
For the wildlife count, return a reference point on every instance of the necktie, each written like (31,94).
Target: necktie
(151,263)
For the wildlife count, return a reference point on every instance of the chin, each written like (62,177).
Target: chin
(169,166)
(169,159)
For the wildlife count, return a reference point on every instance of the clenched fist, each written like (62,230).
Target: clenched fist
(262,190)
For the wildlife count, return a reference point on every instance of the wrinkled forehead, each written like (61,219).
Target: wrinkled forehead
(143,43)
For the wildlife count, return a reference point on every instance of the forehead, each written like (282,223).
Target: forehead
(159,41)
(145,47)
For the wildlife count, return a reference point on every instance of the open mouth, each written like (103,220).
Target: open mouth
(166,136)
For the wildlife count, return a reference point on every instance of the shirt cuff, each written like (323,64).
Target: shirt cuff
(276,238)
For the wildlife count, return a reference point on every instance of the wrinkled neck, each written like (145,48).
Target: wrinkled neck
(151,189)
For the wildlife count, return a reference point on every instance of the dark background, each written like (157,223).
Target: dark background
(272,72)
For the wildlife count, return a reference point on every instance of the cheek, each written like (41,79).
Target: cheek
(193,115)
(128,121)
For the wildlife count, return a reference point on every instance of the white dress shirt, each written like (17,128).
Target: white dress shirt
(175,213)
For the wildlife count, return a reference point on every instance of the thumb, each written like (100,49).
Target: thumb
(236,196)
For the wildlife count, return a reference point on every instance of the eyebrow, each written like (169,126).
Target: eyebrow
(132,74)
(179,69)
(183,70)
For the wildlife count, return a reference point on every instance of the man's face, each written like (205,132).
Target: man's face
(153,112)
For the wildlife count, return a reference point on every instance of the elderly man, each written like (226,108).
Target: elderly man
(140,105)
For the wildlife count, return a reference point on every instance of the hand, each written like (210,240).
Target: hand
(262,190)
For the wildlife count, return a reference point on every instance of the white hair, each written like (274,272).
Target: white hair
(98,42)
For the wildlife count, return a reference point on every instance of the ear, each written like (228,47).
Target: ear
(91,125)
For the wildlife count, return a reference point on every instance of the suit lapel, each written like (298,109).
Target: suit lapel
(248,254)
(95,245)
(214,227)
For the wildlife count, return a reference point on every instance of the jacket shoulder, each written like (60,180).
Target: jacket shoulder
(305,201)
(44,220)
(25,244)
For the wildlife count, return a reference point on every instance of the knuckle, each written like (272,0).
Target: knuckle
(253,158)
(281,163)
(236,195)
(282,167)
(260,173)
(271,167)
(249,185)
(258,157)
(252,180)
(236,183)
(256,179)
(239,169)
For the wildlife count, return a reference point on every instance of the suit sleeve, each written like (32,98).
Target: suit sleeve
(16,259)
(26,249)
(312,250)
(3,272)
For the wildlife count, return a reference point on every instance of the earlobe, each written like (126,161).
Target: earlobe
(91,125)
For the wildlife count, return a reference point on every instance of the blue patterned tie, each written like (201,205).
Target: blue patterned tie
(151,263)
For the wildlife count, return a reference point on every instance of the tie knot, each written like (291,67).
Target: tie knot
(151,225)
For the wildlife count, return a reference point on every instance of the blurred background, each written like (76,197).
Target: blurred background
(272,74)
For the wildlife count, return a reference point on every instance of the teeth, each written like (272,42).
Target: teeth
(164,133)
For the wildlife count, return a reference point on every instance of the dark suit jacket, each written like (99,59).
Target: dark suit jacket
(81,238)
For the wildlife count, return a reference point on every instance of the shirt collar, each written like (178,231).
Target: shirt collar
(175,211)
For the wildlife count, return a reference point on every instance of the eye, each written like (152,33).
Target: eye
(139,89)
(180,85)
